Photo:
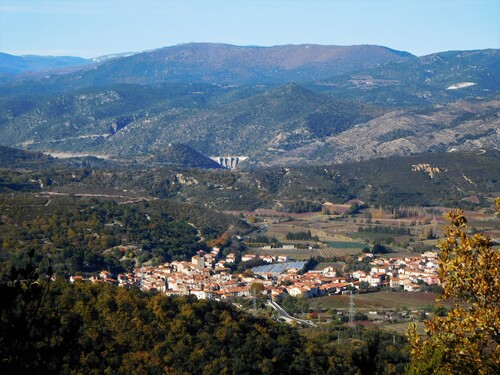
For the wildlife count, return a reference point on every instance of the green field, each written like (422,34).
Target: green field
(345,245)
(370,236)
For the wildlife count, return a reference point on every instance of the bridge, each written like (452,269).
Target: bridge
(229,162)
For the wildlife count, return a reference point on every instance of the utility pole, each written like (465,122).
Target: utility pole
(352,311)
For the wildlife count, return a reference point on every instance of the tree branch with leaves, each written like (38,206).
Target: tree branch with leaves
(467,340)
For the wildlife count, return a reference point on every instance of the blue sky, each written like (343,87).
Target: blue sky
(91,28)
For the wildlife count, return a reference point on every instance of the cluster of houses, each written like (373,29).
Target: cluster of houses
(207,277)
(407,273)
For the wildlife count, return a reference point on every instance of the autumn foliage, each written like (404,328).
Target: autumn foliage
(467,340)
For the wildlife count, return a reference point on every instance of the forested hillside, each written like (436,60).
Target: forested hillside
(103,328)
(88,235)
(448,179)
(278,106)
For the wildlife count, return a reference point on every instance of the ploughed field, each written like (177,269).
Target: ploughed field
(378,300)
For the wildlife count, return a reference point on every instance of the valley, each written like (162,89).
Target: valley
(162,203)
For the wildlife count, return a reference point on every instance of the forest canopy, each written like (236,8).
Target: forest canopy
(54,327)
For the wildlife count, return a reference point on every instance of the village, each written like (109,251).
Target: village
(207,276)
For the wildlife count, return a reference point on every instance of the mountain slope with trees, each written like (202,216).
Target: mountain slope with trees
(54,327)
(432,79)
(240,101)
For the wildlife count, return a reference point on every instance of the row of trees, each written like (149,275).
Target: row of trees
(385,229)
(301,236)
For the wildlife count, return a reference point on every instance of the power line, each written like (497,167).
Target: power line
(352,311)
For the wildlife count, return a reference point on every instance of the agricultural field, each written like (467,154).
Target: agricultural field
(402,328)
(406,307)
(378,300)
(329,252)
(345,245)
(488,225)
(341,235)
(325,252)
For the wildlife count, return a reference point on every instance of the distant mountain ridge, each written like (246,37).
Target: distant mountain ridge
(444,76)
(11,64)
(229,64)
(286,117)
(283,105)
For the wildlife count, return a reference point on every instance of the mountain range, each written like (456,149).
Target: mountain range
(282,105)
(215,63)
(12,65)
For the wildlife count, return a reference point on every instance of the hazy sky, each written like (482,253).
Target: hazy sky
(91,28)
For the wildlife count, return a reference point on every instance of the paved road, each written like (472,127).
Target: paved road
(287,317)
